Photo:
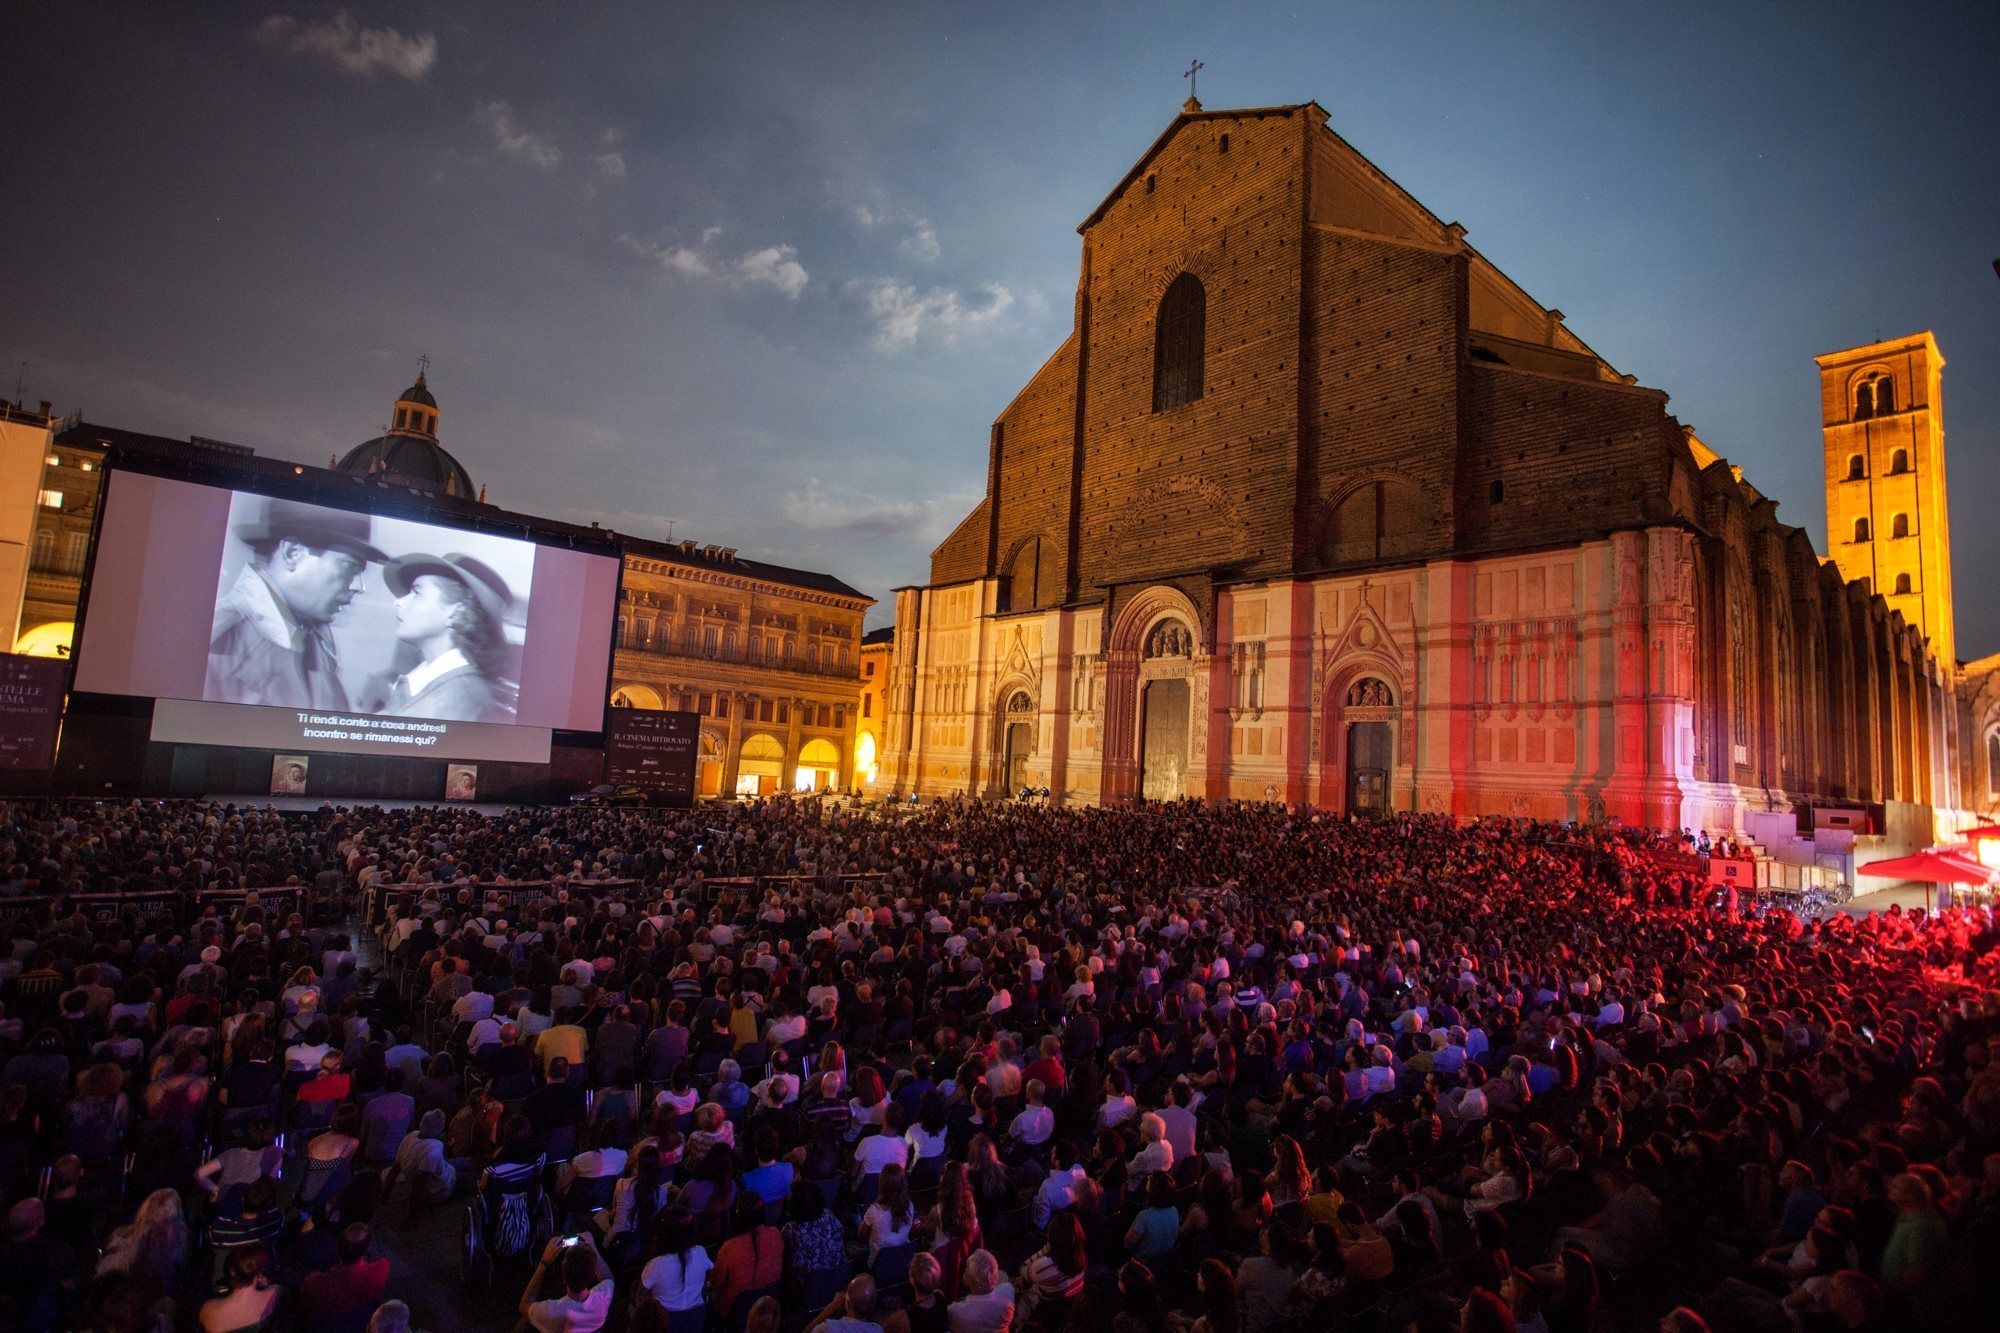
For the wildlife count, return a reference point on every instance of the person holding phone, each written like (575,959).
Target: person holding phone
(587,1288)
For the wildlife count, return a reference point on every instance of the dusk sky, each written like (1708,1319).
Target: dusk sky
(769,271)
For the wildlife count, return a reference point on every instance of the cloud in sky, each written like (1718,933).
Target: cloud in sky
(919,243)
(351,48)
(523,145)
(843,509)
(902,314)
(610,159)
(774,266)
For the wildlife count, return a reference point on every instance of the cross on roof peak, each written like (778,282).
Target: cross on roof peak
(1194,67)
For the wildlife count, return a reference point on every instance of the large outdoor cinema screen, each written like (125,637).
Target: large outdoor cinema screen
(253,620)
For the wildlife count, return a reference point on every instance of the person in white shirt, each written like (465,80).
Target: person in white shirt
(1119,1105)
(587,1287)
(879,1151)
(675,1280)
(1155,1154)
(1059,1191)
(988,1303)
(1035,1122)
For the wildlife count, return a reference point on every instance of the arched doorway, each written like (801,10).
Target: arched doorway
(1367,714)
(865,751)
(760,768)
(708,778)
(50,640)
(819,766)
(637,696)
(1166,693)
(1017,740)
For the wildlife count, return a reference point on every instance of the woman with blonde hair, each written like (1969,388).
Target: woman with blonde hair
(155,1241)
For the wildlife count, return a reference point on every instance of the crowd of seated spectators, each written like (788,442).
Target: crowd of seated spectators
(972,1068)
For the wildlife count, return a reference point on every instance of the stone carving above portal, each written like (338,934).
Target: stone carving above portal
(1369,692)
(1169,638)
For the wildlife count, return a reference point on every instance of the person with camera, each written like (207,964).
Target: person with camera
(587,1288)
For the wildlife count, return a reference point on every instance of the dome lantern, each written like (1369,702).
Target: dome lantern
(408,452)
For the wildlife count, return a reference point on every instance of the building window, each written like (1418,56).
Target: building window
(1902,583)
(1993,764)
(840,718)
(1857,468)
(709,639)
(867,705)
(1899,462)
(722,705)
(45,548)
(1498,491)
(1223,146)
(701,702)
(1861,529)
(52,499)
(84,464)
(1899,526)
(784,714)
(1874,397)
(1179,336)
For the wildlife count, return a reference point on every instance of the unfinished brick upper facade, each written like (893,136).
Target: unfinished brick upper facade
(1413,546)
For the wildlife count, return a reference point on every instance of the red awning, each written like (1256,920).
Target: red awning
(1933,866)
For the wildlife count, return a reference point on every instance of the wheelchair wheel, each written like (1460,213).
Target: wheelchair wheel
(475,1266)
(545,1227)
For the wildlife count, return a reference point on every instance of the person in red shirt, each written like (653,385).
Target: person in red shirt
(1048,1066)
(330,1085)
(355,1282)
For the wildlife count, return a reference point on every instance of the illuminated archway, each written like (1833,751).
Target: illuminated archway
(760,767)
(864,757)
(50,640)
(637,696)
(819,766)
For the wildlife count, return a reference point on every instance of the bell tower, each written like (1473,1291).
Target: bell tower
(1882,424)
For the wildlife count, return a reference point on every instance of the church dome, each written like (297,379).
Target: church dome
(423,465)
(408,453)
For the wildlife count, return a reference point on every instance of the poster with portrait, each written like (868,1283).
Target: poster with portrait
(461,782)
(288,774)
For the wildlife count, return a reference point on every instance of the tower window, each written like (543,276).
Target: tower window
(1864,400)
(1899,462)
(402,417)
(1179,339)
(1899,526)
(1857,468)
(1885,396)
(1861,529)
(1902,583)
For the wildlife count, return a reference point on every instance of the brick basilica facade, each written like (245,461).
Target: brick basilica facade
(1315,504)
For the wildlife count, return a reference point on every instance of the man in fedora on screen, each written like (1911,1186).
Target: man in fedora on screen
(272,638)
(452,609)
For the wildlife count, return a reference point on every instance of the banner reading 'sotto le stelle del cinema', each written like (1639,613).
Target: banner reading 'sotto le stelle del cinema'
(31,697)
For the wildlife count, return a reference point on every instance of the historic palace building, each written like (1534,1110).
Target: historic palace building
(1315,504)
(769,656)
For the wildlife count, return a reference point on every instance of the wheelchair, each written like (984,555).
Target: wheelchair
(510,1218)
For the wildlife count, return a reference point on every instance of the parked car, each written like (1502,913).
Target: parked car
(607,793)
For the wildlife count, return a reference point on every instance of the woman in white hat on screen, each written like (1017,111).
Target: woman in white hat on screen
(452,609)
